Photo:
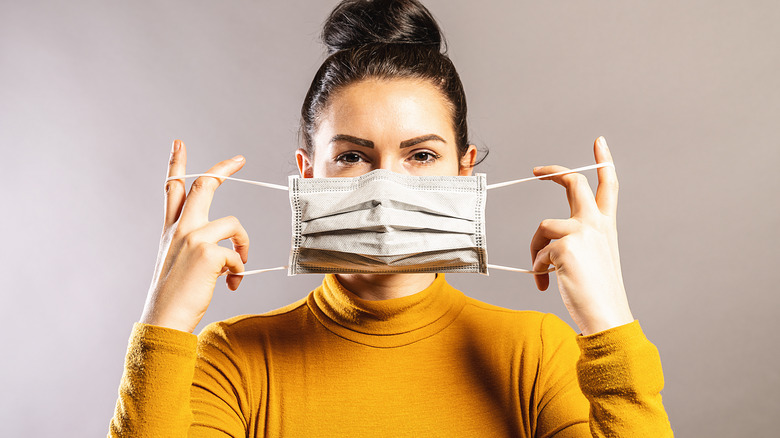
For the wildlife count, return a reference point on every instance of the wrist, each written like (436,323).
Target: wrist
(168,321)
(603,322)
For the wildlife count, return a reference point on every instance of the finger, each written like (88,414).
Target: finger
(538,243)
(551,229)
(607,191)
(548,230)
(225,228)
(578,192)
(196,209)
(232,263)
(175,192)
(541,262)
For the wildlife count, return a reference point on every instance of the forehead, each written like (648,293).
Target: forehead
(395,104)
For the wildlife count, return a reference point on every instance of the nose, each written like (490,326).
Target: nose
(390,163)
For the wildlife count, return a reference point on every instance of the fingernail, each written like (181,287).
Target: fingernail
(175,146)
(602,142)
(238,158)
(537,168)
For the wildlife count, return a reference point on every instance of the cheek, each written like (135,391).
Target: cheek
(320,168)
(321,160)
(453,163)
(326,167)
(446,165)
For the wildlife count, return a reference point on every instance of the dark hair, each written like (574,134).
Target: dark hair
(383,39)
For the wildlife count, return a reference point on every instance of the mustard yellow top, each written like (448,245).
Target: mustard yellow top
(433,364)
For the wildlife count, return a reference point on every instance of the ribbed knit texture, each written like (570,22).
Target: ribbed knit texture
(433,364)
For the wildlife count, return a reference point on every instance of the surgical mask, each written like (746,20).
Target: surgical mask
(387,222)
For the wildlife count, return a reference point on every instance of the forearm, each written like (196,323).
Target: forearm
(620,374)
(154,394)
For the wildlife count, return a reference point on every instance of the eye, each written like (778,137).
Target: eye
(425,157)
(349,158)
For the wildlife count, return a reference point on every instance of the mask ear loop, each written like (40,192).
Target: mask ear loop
(517,181)
(524,271)
(256,271)
(579,169)
(257,183)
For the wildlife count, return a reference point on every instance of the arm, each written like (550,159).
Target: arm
(584,248)
(584,251)
(620,373)
(155,392)
(176,385)
(620,380)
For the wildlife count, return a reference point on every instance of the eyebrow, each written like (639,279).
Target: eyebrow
(351,139)
(370,144)
(420,139)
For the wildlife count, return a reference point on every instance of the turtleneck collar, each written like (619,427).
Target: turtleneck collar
(386,323)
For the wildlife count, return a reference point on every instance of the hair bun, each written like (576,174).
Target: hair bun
(355,23)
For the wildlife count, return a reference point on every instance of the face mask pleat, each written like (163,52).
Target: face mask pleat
(391,244)
(381,219)
(308,261)
(318,197)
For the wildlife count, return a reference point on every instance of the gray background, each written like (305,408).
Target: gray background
(93,92)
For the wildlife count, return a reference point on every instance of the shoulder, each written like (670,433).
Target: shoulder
(547,323)
(545,328)
(253,326)
(231,347)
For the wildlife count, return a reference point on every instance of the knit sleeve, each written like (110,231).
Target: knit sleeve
(177,385)
(620,373)
(154,394)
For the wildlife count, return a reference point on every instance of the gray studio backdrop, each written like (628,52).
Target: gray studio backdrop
(686,92)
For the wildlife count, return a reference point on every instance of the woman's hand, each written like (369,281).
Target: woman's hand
(190,261)
(584,249)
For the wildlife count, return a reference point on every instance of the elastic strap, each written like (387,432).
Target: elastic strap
(257,183)
(256,271)
(488,187)
(499,267)
(517,181)
(524,271)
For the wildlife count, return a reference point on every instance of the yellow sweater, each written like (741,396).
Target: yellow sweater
(433,364)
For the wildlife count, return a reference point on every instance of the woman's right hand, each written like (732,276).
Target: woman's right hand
(189,260)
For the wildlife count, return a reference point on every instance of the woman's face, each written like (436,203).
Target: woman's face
(402,125)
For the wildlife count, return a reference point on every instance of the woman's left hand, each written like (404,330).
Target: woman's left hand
(584,248)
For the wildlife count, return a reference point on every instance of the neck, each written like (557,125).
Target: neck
(377,287)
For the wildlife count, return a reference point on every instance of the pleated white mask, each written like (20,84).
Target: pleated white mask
(387,222)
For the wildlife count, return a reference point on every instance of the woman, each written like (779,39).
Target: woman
(369,354)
